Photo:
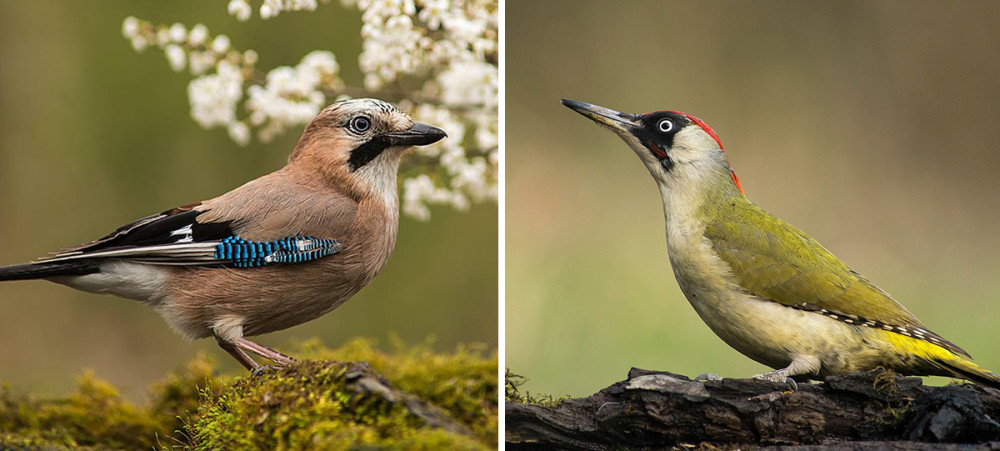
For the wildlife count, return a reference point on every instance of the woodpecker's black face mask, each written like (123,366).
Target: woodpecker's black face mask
(656,132)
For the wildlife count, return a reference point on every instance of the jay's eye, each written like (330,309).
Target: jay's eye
(360,124)
(665,125)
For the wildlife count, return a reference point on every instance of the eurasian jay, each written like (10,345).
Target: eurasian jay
(276,252)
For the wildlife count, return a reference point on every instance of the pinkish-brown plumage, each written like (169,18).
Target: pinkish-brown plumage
(200,297)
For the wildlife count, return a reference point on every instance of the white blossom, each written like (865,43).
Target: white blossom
(463,28)
(250,57)
(271,8)
(220,44)
(213,97)
(471,177)
(139,43)
(162,36)
(469,83)
(320,67)
(418,192)
(239,132)
(198,35)
(267,11)
(239,9)
(486,127)
(389,50)
(289,97)
(130,27)
(433,12)
(177,33)
(201,62)
(176,57)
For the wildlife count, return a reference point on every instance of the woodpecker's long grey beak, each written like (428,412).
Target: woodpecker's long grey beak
(419,134)
(605,116)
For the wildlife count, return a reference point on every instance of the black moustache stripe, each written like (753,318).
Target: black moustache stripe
(657,145)
(367,152)
(667,164)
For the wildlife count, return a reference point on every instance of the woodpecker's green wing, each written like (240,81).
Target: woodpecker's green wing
(775,260)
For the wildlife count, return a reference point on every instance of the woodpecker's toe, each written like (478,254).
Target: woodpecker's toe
(704,377)
(773,376)
(778,376)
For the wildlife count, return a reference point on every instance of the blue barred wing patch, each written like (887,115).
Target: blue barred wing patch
(242,253)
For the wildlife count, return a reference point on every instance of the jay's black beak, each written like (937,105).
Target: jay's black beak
(419,134)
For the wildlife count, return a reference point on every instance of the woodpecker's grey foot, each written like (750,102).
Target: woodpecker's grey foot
(707,377)
(264,351)
(773,376)
(264,369)
(778,376)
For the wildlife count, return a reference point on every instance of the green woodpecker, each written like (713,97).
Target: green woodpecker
(766,288)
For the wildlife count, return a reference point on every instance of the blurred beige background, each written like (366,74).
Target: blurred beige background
(93,135)
(870,125)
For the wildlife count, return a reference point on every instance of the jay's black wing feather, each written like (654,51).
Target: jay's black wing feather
(29,271)
(168,227)
(176,237)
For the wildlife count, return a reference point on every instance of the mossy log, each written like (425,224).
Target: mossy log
(656,410)
(353,397)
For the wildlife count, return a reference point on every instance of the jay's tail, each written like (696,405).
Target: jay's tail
(44,270)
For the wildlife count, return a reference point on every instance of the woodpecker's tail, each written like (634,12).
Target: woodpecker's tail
(937,360)
(969,371)
(45,270)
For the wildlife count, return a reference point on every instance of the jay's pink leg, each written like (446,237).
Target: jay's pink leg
(263,351)
(237,353)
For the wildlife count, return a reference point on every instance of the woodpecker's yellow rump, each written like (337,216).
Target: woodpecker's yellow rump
(765,287)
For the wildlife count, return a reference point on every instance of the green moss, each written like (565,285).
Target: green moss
(313,405)
(512,392)
(464,382)
(95,414)
(309,405)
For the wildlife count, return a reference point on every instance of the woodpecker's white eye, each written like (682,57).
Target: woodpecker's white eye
(665,125)
(360,124)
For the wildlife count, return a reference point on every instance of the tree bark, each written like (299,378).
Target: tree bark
(653,410)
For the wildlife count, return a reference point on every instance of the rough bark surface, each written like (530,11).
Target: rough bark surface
(656,410)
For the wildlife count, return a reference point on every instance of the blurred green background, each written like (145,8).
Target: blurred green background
(93,135)
(870,125)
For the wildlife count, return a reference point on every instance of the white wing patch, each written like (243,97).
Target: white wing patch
(185,233)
